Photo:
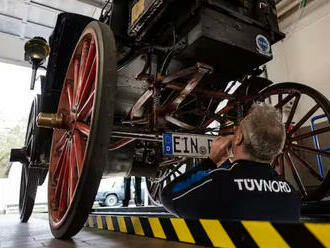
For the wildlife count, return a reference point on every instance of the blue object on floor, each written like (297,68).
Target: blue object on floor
(317,144)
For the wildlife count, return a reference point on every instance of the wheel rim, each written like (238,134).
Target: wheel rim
(69,145)
(294,163)
(111,200)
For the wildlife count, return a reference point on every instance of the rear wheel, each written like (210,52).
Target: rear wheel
(80,146)
(111,200)
(29,175)
(305,159)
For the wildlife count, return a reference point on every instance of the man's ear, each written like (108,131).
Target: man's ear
(238,139)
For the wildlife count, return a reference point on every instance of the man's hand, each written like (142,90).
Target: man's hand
(220,149)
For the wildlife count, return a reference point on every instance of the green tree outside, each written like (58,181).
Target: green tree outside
(10,137)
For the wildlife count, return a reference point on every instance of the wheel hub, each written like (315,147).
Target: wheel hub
(58,121)
(49,120)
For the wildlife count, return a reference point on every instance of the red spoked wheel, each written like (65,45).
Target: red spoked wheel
(305,159)
(84,123)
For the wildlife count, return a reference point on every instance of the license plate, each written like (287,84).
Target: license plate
(187,145)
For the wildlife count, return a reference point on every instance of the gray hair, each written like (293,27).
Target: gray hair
(263,132)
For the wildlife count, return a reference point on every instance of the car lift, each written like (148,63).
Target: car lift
(313,230)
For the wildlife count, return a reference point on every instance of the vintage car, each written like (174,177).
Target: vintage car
(143,90)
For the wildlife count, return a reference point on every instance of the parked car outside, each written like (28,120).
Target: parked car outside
(111,192)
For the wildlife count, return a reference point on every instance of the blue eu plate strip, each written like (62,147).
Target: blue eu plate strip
(167,141)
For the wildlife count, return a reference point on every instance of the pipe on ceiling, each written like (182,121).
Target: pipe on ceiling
(14,18)
(95,3)
(44,6)
(288,7)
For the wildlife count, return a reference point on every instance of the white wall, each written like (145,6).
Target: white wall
(304,56)
(9,188)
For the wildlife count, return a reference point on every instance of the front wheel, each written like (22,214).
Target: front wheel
(80,144)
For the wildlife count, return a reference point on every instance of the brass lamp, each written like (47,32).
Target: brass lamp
(36,51)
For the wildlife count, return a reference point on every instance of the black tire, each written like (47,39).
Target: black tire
(290,152)
(98,142)
(28,191)
(29,175)
(111,200)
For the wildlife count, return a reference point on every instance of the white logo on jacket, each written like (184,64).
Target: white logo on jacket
(262,185)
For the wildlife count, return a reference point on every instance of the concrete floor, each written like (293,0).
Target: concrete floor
(37,234)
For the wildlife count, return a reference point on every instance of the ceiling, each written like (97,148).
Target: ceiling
(21,20)
(28,18)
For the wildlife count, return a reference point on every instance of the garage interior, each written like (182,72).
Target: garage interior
(301,56)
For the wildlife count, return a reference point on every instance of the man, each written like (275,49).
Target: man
(244,188)
(127,189)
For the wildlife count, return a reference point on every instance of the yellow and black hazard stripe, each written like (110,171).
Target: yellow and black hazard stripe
(216,233)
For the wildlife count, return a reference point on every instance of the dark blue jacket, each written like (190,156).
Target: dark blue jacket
(242,190)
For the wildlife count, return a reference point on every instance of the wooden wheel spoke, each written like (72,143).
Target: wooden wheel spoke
(296,175)
(61,180)
(60,161)
(274,163)
(69,94)
(83,58)
(79,149)
(75,76)
(270,100)
(63,200)
(87,109)
(304,119)
(281,163)
(310,150)
(72,172)
(88,84)
(280,97)
(310,134)
(89,61)
(285,101)
(83,128)
(61,142)
(292,112)
(307,165)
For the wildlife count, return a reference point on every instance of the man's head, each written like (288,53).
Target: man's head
(260,135)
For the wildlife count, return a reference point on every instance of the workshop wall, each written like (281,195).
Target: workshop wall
(304,55)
